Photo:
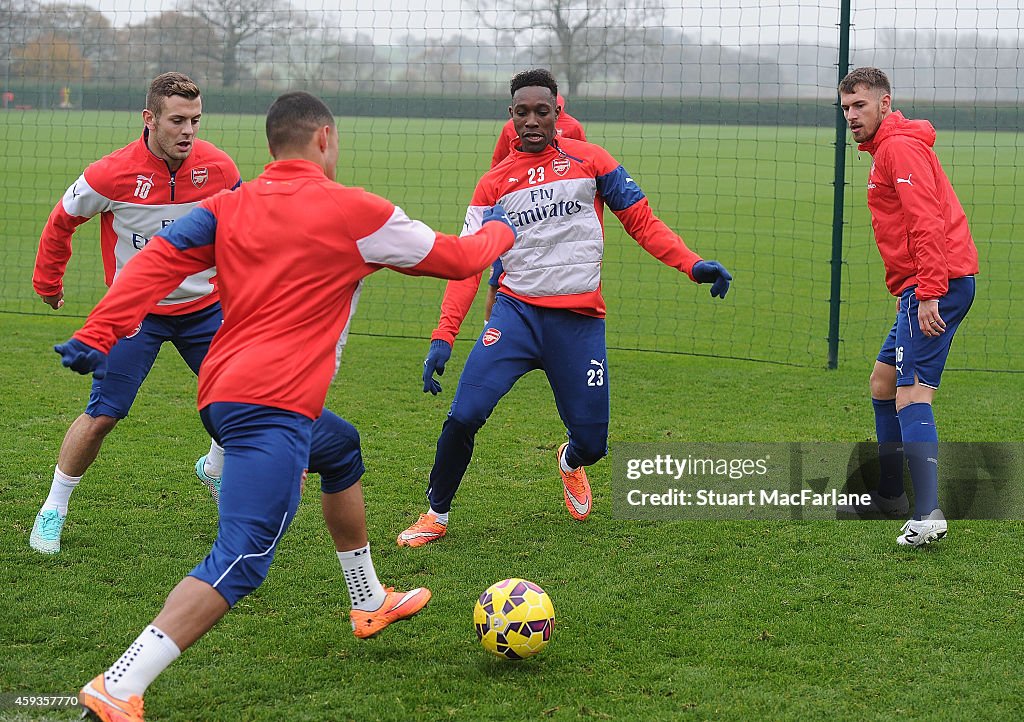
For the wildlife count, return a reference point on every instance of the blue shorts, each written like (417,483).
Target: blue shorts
(520,337)
(132,357)
(266,451)
(335,453)
(262,480)
(912,352)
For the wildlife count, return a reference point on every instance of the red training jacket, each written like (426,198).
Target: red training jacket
(920,227)
(291,249)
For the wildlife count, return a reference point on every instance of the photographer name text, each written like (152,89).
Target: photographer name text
(749,498)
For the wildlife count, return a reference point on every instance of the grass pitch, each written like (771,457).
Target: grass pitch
(664,621)
(758,199)
(684,620)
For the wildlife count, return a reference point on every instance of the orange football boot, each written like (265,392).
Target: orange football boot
(426,529)
(396,607)
(576,488)
(100,704)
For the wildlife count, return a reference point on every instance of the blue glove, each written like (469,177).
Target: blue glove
(82,358)
(496,270)
(497,213)
(713,272)
(440,352)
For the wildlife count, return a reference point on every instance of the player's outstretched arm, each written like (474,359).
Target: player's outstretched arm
(714,273)
(150,275)
(460,257)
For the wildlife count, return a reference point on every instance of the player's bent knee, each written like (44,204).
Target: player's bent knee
(333,482)
(335,453)
(916,394)
(473,404)
(99,426)
(243,579)
(882,381)
(465,423)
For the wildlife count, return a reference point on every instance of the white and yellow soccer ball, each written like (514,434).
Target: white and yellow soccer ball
(514,619)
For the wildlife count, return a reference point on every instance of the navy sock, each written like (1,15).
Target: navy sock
(890,448)
(921,445)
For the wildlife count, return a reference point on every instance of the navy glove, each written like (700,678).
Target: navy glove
(82,358)
(440,352)
(497,213)
(496,270)
(713,272)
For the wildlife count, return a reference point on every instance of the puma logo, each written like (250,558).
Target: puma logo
(905,180)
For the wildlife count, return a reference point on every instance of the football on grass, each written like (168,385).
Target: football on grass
(514,619)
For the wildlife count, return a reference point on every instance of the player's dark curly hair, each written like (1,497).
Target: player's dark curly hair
(293,118)
(871,77)
(535,78)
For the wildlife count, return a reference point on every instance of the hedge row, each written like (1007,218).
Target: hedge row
(685,111)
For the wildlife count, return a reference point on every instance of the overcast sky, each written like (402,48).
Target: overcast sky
(729,22)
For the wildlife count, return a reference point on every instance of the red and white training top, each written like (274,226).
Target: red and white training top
(556,200)
(291,249)
(136,195)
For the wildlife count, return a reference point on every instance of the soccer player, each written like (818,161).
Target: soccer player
(136,191)
(292,248)
(549,312)
(930,262)
(566,126)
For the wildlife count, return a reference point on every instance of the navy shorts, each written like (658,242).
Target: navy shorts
(266,451)
(334,453)
(912,352)
(132,357)
(520,337)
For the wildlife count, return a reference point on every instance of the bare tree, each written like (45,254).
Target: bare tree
(50,57)
(167,42)
(17,26)
(83,25)
(242,28)
(435,66)
(336,63)
(578,40)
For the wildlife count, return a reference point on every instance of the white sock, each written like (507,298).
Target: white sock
(149,655)
(214,464)
(441,518)
(562,465)
(364,588)
(60,491)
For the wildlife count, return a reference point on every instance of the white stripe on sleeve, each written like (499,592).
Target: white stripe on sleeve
(82,201)
(474,220)
(400,242)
